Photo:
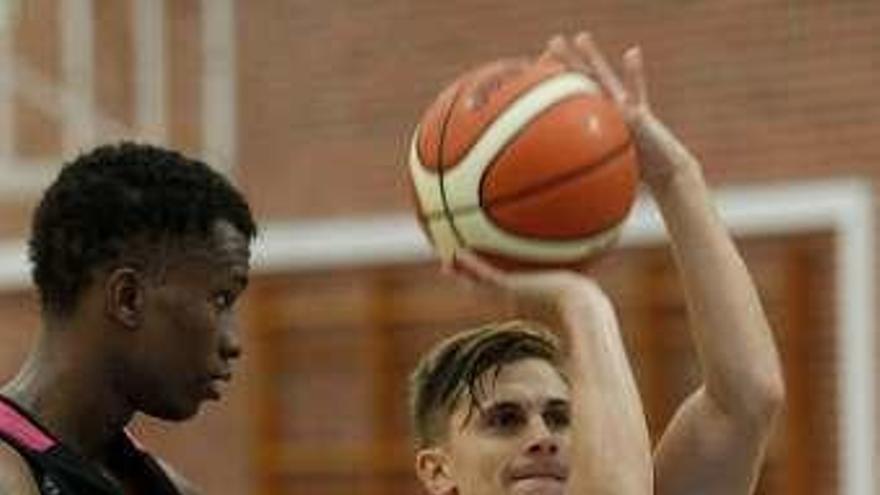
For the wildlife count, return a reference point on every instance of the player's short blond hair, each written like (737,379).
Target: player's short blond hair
(451,370)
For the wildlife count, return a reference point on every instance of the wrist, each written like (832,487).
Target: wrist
(665,160)
(685,176)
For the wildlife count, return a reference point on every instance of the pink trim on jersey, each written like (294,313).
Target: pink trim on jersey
(22,430)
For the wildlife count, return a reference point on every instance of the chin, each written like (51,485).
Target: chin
(173,412)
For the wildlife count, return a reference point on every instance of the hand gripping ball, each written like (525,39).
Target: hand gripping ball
(529,164)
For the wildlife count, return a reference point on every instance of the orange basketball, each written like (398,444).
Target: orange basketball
(527,163)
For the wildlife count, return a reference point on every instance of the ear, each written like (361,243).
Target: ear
(124,296)
(432,467)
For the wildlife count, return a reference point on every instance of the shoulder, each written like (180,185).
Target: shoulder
(183,485)
(15,474)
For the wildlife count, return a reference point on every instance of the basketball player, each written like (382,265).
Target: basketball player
(139,254)
(501,409)
(497,410)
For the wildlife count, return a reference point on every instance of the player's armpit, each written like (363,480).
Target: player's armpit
(706,451)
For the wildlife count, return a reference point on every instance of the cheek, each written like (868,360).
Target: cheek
(192,327)
(203,330)
(565,445)
(480,462)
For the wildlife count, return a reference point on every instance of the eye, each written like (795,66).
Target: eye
(557,418)
(223,300)
(504,418)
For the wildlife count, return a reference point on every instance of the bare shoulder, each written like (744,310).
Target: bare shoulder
(183,485)
(15,475)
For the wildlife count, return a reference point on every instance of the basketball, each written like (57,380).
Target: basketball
(528,164)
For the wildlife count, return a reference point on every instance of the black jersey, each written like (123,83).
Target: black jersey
(58,470)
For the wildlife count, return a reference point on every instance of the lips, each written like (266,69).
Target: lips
(538,480)
(212,384)
(540,471)
(224,376)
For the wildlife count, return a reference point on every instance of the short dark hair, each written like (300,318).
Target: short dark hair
(454,366)
(120,197)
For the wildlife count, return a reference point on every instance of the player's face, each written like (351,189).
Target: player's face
(189,336)
(517,442)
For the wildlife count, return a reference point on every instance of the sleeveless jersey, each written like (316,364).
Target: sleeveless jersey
(57,470)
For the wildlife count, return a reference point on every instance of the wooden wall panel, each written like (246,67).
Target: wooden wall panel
(341,344)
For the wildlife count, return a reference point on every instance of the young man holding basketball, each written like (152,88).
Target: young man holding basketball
(503,409)
(139,254)
(497,411)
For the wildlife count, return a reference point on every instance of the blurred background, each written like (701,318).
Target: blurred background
(308,105)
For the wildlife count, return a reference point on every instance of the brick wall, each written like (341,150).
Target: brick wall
(327,93)
(763,91)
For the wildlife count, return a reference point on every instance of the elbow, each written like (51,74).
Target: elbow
(765,401)
(773,396)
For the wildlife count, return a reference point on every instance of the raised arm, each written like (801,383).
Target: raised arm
(715,442)
(610,447)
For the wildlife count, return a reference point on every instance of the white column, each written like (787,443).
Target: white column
(78,75)
(855,277)
(7,88)
(219,134)
(149,67)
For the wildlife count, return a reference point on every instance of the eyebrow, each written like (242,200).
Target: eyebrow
(501,405)
(554,402)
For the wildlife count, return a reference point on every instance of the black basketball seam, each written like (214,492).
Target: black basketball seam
(561,178)
(548,184)
(450,213)
(555,181)
(447,212)
(493,161)
(522,94)
(515,137)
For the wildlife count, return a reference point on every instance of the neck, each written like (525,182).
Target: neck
(71,393)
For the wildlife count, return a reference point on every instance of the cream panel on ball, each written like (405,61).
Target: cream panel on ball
(478,232)
(425,182)
(442,235)
(461,184)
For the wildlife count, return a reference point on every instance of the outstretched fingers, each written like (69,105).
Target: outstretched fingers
(560,50)
(587,46)
(633,65)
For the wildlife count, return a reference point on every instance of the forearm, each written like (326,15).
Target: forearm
(715,442)
(611,450)
(733,339)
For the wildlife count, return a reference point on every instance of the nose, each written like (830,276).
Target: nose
(230,344)
(543,441)
(544,446)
